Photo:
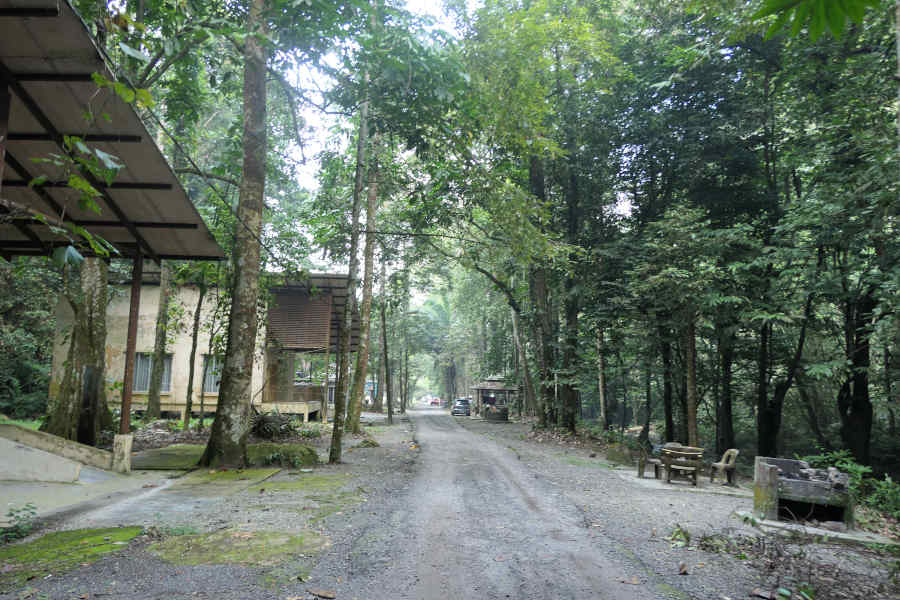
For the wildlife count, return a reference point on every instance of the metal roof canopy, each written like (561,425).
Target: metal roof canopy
(47,56)
(307,316)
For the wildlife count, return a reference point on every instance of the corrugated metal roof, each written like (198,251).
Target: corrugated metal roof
(492,384)
(46,62)
(305,316)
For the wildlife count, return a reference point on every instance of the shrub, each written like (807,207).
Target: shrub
(21,523)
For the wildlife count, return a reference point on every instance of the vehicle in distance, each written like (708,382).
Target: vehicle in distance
(461,407)
(435,401)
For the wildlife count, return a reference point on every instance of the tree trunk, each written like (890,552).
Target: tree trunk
(690,358)
(159,345)
(644,437)
(665,351)
(530,400)
(378,400)
(543,339)
(724,412)
(228,439)
(854,403)
(385,357)
(569,394)
(343,358)
(78,411)
(601,379)
(365,313)
(195,334)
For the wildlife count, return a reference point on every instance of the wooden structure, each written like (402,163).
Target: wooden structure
(304,317)
(493,398)
(48,61)
(684,460)
(725,467)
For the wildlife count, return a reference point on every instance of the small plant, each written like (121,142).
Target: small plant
(680,537)
(21,523)
(310,432)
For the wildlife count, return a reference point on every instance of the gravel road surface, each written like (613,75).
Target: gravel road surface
(444,507)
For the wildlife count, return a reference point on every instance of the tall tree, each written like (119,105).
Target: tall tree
(228,440)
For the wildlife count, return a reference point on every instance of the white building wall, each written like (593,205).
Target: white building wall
(179,346)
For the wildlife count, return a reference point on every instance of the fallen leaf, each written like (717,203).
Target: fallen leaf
(758,593)
(633,581)
(683,569)
(322,593)
(499,558)
(261,490)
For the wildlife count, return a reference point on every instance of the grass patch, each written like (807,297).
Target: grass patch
(230,546)
(285,455)
(229,475)
(304,483)
(60,552)
(28,423)
(332,504)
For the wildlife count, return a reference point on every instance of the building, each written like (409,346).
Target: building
(304,318)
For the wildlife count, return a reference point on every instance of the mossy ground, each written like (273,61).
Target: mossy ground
(304,482)
(171,458)
(237,479)
(285,455)
(186,456)
(58,552)
(232,546)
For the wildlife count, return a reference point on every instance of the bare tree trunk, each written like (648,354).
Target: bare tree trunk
(385,357)
(159,345)
(195,334)
(343,357)
(78,411)
(690,359)
(601,378)
(530,400)
(228,439)
(365,313)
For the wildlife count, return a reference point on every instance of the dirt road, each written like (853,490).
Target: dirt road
(444,507)
(477,523)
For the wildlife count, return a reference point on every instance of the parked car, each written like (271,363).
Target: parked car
(435,401)
(461,407)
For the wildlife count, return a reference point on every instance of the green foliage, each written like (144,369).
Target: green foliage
(21,523)
(813,14)
(882,495)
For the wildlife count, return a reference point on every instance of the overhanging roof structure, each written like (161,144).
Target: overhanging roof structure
(47,58)
(306,316)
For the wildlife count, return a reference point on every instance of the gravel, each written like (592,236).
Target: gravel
(452,507)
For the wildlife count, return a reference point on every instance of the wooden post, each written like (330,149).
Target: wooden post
(765,489)
(137,272)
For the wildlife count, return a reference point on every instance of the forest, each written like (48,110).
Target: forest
(673,215)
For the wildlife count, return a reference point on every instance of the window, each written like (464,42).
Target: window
(143,366)
(212,366)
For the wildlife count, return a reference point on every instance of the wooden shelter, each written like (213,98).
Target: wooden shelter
(304,317)
(493,396)
(48,100)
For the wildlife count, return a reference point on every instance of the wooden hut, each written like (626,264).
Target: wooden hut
(493,396)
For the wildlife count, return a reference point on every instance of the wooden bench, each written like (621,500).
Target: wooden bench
(685,461)
(644,459)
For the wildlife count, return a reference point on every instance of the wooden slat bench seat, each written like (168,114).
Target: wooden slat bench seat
(686,461)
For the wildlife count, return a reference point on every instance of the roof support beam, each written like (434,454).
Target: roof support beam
(56,77)
(86,137)
(27,11)
(6,76)
(115,224)
(116,185)
(4,138)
